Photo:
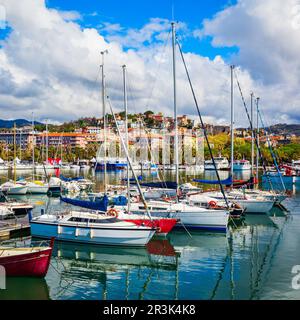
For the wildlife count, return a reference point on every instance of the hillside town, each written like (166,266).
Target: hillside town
(88,131)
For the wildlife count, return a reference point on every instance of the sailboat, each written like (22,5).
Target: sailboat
(91,227)
(34,186)
(250,203)
(189,216)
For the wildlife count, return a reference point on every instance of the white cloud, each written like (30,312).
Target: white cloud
(70,15)
(49,64)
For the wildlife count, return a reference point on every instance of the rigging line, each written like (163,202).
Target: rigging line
(267,126)
(158,68)
(202,124)
(271,149)
(252,130)
(160,178)
(129,161)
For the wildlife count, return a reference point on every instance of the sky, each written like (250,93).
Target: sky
(50,57)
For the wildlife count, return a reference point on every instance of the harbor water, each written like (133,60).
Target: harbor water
(254,260)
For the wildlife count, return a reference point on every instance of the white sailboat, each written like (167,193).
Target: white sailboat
(93,228)
(190,216)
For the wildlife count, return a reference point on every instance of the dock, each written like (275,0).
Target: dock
(13,227)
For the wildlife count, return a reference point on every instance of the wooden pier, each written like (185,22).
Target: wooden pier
(13,227)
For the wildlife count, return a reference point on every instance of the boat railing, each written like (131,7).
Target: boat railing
(24,243)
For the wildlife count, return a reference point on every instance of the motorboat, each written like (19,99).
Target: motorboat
(31,261)
(241,165)
(91,227)
(6,213)
(221,164)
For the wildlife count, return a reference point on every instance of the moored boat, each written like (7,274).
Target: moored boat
(94,227)
(12,188)
(162,225)
(26,261)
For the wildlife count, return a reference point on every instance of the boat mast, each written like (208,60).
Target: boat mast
(20,143)
(15,154)
(175,106)
(61,149)
(126,133)
(47,147)
(104,121)
(130,163)
(33,141)
(252,138)
(232,126)
(257,135)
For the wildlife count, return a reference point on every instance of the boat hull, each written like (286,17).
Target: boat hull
(216,220)
(163,226)
(38,189)
(256,207)
(103,236)
(34,264)
(16,190)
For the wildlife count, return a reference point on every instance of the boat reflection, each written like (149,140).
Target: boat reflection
(102,272)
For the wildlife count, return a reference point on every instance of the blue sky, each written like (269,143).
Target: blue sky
(136,13)
(50,57)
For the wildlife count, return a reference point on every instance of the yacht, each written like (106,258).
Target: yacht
(249,203)
(189,216)
(221,164)
(91,227)
(241,165)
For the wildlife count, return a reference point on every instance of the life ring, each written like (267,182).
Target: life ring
(113,212)
(212,204)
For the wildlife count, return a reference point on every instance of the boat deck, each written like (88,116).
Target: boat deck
(12,227)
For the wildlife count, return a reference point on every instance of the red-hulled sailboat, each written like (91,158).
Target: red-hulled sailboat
(163,225)
(26,261)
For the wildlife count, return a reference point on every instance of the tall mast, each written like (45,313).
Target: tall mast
(126,133)
(47,147)
(104,120)
(176,158)
(15,154)
(232,125)
(61,149)
(252,137)
(33,141)
(20,143)
(257,134)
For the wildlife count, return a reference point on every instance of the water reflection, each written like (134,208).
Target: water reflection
(252,261)
(99,272)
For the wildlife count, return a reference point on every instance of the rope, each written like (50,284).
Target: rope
(202,124)
(271,150)
(252,129)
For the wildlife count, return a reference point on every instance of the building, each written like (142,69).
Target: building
(66,139)
(21,137)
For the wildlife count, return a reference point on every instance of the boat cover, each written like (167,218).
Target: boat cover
(63,178)
(99,205)
(227,181)
(160,185)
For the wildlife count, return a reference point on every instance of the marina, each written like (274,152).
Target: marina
(194,265)
(155,164)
